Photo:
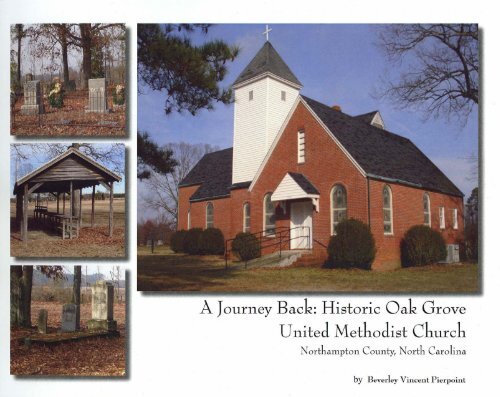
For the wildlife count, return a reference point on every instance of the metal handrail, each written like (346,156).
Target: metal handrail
(279,231)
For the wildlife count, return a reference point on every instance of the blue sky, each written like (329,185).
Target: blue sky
(37,159)
(337,64)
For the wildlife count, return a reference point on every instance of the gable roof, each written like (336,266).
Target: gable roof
(214,175)
(294,186)
(267,60)
(382,154)
(366,117)
(101,172)
(304,183)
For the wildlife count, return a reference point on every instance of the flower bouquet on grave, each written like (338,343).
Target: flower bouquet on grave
(119,94)
(56,96)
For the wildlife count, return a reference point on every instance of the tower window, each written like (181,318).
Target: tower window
(283,95)
(250,95)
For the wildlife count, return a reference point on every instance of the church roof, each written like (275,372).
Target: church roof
(304,183)
(366,117)
(267,60)
(214,173)
(382,154)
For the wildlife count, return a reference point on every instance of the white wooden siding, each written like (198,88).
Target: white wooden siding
(257,122)
(288,189)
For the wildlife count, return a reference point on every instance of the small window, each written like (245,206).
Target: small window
(442,222)
(269,216)
(210,215)
(455,218)
(246,218)
(250,95)
(283,95)
(427,210)
(387,210)
(339,206)
(301,147)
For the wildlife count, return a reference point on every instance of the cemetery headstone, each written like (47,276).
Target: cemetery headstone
(102,307)
(28,77)
(98,102)
(71,86)
(33,103)
(42,321)
(69,318)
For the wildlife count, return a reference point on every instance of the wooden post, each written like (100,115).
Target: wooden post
(58,194)
(25,214)
(79,223)
(64,203)
(19,210)
(111,209)
(93,207)
(71,209)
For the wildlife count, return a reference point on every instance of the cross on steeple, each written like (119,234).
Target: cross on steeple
(266,32)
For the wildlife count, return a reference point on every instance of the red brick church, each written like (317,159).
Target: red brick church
(301,166)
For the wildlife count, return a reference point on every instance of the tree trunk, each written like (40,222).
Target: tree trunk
(16,273)
(19,28)
(77,282)
(25,302)
(86,41)
(64,49)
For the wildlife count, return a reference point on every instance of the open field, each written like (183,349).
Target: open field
(165,271)
(92,242)
(89,357)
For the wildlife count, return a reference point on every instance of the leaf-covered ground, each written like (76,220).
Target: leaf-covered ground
(87,357)
(69,120)
(92,242)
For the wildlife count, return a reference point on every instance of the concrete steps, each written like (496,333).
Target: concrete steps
(288,258)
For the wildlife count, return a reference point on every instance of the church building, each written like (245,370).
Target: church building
(298,166)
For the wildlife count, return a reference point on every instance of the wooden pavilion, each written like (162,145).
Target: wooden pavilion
(64,175)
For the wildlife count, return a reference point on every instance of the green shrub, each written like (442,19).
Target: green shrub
(212,242)
(177,241)
(422,246)
(246,246)
(192,241)
(352,246)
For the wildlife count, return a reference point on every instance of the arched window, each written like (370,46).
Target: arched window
(387,197)
(338,206)
(427,210)
(246,217)
(269,216)
(210,215)
(189,219)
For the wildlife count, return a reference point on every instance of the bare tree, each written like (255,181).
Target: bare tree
(162,190)
(441,68)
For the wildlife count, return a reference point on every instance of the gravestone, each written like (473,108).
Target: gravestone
(69,318)
(42,321)
(102,307)
(33,103)
(98,101)
(71,86)
(28,77)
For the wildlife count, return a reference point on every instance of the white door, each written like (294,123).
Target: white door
(301,225)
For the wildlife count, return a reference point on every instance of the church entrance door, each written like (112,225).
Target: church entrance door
(301,225)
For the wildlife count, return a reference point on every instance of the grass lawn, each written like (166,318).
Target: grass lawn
(166,271)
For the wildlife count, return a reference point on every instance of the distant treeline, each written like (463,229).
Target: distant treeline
(86,196)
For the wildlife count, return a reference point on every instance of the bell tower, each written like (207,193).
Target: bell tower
(264,93)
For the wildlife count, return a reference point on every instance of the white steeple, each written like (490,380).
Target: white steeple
(264,93)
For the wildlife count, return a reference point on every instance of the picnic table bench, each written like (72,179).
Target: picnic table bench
(69,226)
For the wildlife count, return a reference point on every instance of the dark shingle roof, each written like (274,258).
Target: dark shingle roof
(267,60)
(304,183)
(214,173)
(382,154)
(366,117)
